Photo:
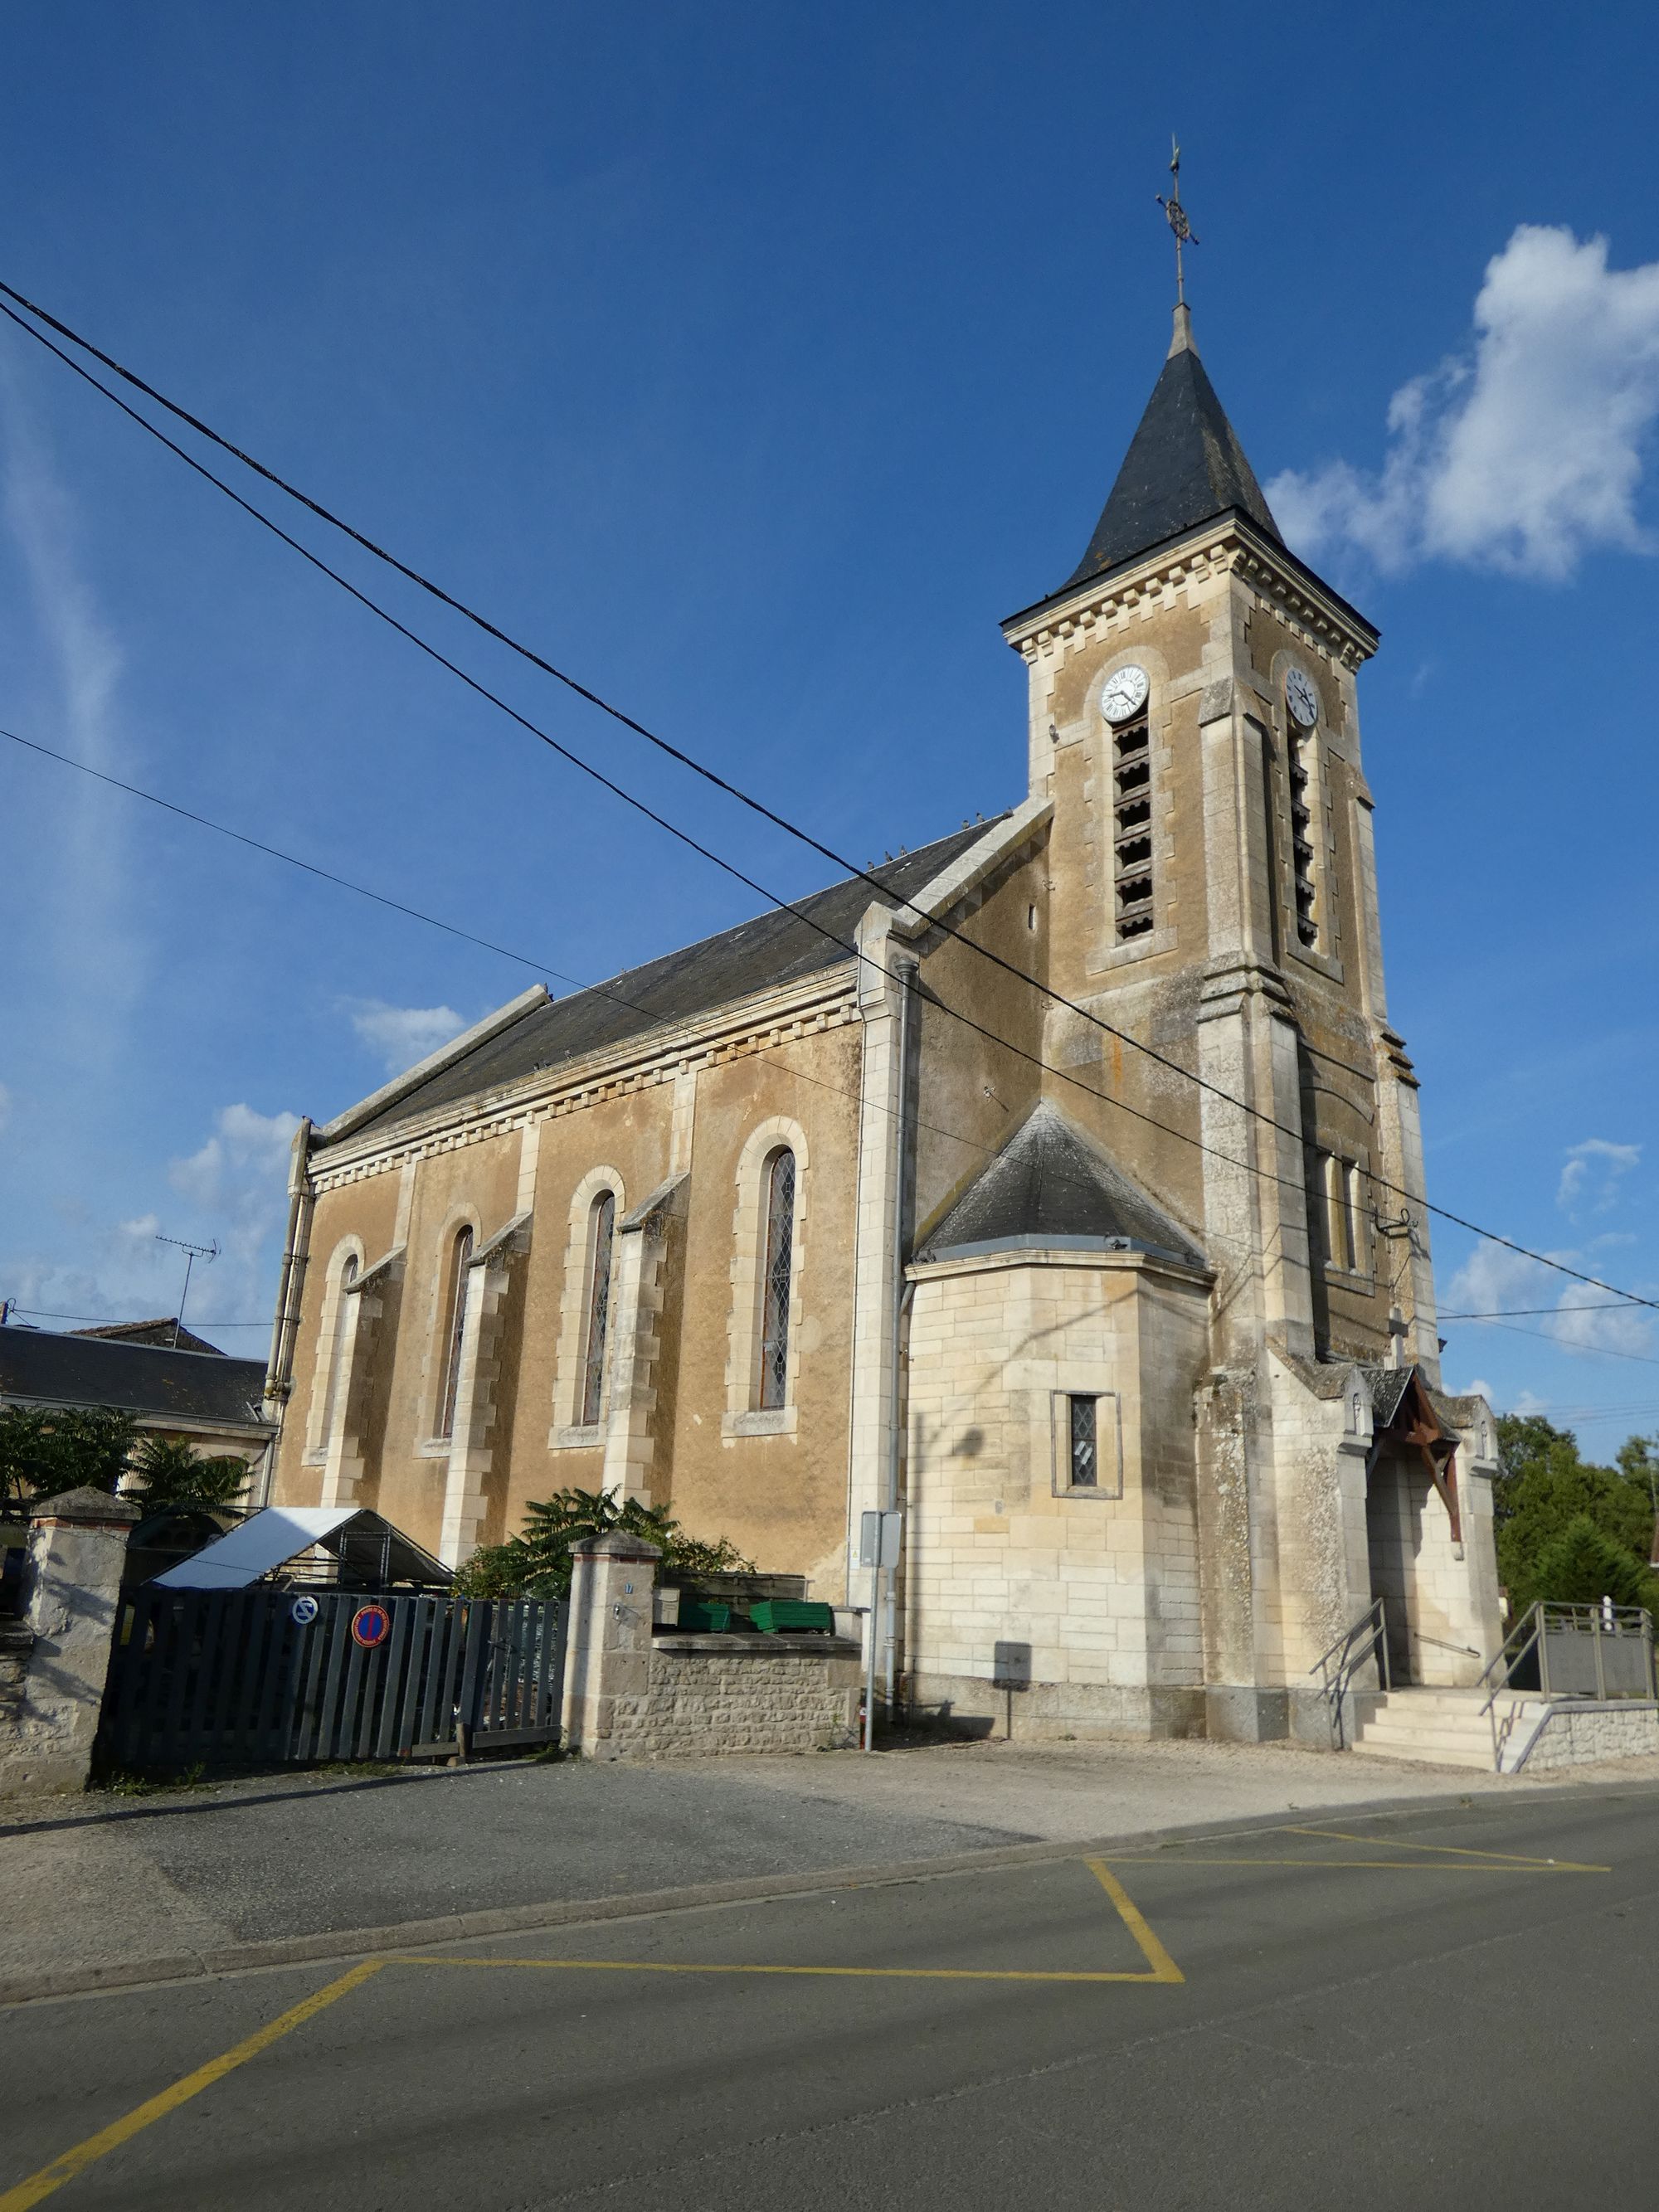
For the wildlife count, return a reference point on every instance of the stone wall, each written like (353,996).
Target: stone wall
(1577,1735)
(758,1694)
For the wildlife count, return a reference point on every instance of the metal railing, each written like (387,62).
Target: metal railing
(1598,1651)
(1363,1639)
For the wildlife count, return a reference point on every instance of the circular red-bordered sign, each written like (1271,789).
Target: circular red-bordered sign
(370,1625)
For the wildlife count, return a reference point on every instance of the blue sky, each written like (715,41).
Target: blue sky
(753,362)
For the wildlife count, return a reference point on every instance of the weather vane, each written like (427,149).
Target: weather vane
(1176,215)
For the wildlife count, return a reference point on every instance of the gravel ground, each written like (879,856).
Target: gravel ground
(89,1879)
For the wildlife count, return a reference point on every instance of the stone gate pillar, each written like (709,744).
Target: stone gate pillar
(607,1652)
(77,1546)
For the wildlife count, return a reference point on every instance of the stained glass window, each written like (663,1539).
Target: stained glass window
(336,1349)
(456,1323)
(602,1228)
(777,1283)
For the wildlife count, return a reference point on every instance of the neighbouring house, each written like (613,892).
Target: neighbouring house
(198,1395)
(1122,1285)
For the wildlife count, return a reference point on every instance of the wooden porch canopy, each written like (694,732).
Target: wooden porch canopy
(1403,1417)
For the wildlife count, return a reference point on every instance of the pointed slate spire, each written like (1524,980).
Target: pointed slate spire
(1184,465)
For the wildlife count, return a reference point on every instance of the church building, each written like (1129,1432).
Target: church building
(1060,1182)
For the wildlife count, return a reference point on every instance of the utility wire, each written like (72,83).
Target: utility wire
(1518,1313)
(450,928)
(686,760)
(1597,1351)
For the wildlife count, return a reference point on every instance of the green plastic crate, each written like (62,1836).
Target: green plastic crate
(776,1616)
(701,1619)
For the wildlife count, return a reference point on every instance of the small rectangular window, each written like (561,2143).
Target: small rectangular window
(1085,1445)
(1087,1453)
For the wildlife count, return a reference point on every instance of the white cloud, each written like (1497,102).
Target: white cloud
(83,900)
(404,1035)
(231,1192)
(1592,1174)
(1526,455)
(1530,1402)
(1493,1280)
(1479,1388)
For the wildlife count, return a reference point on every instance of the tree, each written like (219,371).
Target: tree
(170,1471)
(537,1562)
(1581,1567)
(1545,1487)
(46,1450)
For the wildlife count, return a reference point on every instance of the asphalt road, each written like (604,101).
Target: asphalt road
(1455,2009)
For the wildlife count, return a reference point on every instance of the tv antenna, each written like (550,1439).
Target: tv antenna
(205,1252)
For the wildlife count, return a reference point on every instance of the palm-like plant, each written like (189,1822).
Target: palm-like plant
(170,1471)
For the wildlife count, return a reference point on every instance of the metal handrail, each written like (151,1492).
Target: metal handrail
(1467,1650)
(1358,1642)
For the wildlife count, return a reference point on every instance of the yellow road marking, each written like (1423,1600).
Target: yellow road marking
(52,2177)
(1396,1866)
(1163,1967)
(1506,1861)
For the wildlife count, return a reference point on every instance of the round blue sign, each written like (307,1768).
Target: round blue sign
(303,1610)
(370,1625)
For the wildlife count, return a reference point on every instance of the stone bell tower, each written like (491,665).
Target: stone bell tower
(1194,722)
(1193,718)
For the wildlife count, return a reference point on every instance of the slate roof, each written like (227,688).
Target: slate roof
(37,1364)
(1050,1187)
(1184,466)
(165,1330)
(774,948)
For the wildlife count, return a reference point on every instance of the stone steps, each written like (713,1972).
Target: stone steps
(1441,1727)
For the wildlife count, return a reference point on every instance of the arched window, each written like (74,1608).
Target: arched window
(777,1281)
(601,1232)
(343,1313)
(454,1322)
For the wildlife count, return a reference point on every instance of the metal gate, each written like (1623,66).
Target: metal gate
(268,1677)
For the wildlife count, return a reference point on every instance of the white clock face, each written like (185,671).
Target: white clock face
(1304,699)
(1125,694)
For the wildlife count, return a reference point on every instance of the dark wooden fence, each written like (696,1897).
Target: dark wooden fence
(243,1678)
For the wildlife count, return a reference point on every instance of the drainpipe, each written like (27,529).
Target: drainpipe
(285,1329)
(906,974)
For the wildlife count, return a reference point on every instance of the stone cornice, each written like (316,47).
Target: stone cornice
(823,1000)
(1228,546)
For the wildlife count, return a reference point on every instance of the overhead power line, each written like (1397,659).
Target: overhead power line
(608,990)
(684,759)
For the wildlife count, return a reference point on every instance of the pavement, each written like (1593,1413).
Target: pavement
(1447,2006)
(102,1888)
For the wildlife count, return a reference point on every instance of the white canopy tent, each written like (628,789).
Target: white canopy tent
(268,1540)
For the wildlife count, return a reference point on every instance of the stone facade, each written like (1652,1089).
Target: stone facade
(1199,1031)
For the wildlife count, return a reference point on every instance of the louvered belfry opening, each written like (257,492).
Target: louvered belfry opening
(777,1283)
(1302,849)
(1132,827)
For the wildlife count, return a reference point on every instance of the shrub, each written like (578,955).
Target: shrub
(537,1562)
(46,1450)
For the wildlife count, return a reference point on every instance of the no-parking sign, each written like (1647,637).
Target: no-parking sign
(371,1625)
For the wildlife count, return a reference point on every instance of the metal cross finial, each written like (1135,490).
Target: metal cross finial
(1176,215)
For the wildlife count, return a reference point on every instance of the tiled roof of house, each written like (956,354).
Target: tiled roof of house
(38,1366)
